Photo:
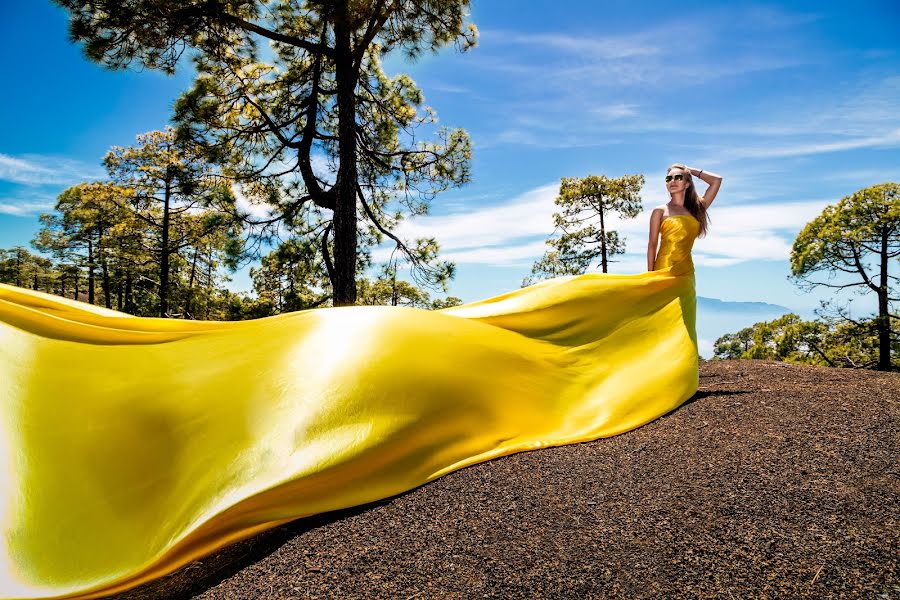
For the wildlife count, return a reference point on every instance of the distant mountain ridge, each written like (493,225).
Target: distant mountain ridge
(716,304)
(717,317)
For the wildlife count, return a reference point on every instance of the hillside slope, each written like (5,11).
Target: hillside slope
(773,480)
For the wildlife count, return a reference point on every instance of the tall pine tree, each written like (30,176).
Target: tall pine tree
(325,90)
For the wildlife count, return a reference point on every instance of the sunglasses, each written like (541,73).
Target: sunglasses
(678,177)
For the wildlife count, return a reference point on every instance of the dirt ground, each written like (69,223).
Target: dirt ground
(773,481)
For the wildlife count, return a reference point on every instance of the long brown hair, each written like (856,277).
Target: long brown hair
(692,199)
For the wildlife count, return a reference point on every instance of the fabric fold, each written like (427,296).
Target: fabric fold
(132,446)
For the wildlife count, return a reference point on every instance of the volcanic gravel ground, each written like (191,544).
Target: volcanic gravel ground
(773,481)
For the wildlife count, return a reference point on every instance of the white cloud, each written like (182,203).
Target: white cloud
(706,347)
(513,255)
(863,108)
(513,233)
(528,215)
(769,17)
(520,137)
(450,89)
(28,202)
(607,47)
(734,247)
(321,166)
(747,232)
(702,260)
(777,216)
(737,151)
(35,169)
(25,208)
(568,90)
(259,210)
(571,63)
(616,111)
(864,176)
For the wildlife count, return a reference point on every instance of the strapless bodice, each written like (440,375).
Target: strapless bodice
(678,235)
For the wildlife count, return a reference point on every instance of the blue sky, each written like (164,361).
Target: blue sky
(795,104)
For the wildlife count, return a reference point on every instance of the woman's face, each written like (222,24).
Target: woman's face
(675,185)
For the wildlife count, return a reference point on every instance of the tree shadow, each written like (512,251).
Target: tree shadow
(700,395)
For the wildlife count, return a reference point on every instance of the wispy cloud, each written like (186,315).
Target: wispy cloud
(770,17)
(257,210)
(651,56)
(33,169)
(474,237)
(866,176)
(263,210)
(513,233)
(38,179)
(863,116)
(524,137)
(738,151)
(524,216)
(24,201)
(450,89)
(517,255)
(602,47)
(567,90)
(615,111)
(24,208)
(866,106)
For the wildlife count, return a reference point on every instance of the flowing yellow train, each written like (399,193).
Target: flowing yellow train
(131,446)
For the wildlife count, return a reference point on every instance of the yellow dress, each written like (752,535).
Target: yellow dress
(132,446)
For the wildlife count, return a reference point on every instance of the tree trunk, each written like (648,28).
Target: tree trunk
(329,266)
(164,250)
(119,289)
(18,268)
(209,282)
(344,283)
(291,288)
(104,268)
(603,242)
(884,319)
(90,271)
(129,293)
(394,298)
(190,291)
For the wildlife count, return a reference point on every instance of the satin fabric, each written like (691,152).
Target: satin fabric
(131,446)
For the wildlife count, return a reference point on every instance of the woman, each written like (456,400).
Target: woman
(133,446)
(683,200)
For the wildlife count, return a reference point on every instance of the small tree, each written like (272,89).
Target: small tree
(826,342)
(22,268)
(862,227)
(172,186)
(586,204)
(288,278)
(82,231)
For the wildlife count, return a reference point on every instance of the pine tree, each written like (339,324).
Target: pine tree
(324,90)
(861,227)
